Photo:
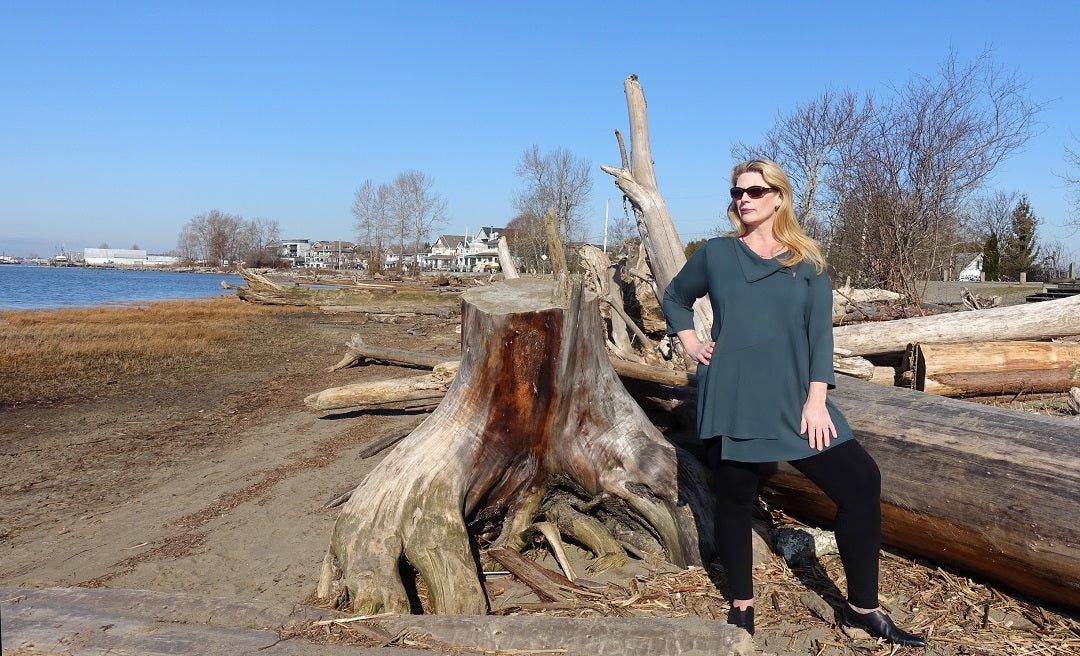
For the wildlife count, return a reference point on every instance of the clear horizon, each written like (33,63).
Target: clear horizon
(124,120)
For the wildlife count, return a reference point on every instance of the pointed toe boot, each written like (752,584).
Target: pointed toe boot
(879,625)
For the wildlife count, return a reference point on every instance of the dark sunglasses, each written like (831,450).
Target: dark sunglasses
(754,192)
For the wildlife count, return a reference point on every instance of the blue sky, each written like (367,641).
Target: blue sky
(120,121)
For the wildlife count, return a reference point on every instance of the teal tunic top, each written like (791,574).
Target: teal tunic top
(772,326)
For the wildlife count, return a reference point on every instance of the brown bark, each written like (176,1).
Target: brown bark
(1059,318)
(992,368)
(535,401)
(989,490)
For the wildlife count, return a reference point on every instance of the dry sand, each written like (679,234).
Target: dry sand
(214,487)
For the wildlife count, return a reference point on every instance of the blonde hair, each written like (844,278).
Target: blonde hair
(786,227)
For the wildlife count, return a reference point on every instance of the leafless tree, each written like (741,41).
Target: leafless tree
(371,208)
(623,236)
(259,239)
(1072,178)
(525,238)
(817,145)
(427,207)
(214,237)
(1053,262)
(555,180)
(990,212)
(890,180)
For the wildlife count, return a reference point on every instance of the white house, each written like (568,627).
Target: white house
(973,271)
(478,253)
(444,252)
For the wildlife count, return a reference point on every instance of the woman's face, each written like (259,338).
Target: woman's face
(755,212)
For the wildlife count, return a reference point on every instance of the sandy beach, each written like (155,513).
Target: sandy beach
(211,482)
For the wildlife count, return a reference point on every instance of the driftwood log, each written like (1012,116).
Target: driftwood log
(1059,318)
(412,393)
(636,178)
(356,297)
(988,490)
(535,411)
(992,368)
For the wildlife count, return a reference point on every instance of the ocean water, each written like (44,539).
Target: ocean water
(25,287)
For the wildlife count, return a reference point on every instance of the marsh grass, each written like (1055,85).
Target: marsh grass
(50,356)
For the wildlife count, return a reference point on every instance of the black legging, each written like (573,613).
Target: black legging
(847,474)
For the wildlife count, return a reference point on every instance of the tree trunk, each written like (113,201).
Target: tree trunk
(1060,318)
(989,490)
(535,404)
(992,368)
(637,180)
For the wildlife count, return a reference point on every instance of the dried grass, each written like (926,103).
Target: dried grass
(54,356)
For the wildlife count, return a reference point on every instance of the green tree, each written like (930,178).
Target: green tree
(1020,248)
(693,246)
(991,257)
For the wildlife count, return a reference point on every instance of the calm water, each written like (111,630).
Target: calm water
(34,288)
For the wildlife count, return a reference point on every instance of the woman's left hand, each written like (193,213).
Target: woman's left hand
(817,424)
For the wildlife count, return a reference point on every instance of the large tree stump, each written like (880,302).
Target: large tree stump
(535,405)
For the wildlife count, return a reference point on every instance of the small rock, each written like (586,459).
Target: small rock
(803,545)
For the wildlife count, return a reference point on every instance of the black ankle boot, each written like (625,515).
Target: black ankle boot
(744,619)
(879,625)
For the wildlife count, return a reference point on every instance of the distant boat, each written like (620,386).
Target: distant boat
(10,259)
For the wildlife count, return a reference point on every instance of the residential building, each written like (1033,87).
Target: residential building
(478,253)
(444,251)
(331,255)
(295,251)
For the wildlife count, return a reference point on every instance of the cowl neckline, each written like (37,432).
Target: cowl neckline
(753,266)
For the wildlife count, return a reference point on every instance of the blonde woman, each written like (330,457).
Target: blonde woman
(763,380)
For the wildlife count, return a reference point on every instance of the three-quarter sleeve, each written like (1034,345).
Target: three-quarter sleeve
(819,329)
(690,284)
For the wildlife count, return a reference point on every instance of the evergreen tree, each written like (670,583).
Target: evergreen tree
(693,246)
(1021,250)
(991,265)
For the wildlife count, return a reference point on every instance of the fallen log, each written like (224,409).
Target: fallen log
(989,490)
(412,393)
(992,368)
(358,350)
(260,289)
(425,392)
(1058,318)
(535,406)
